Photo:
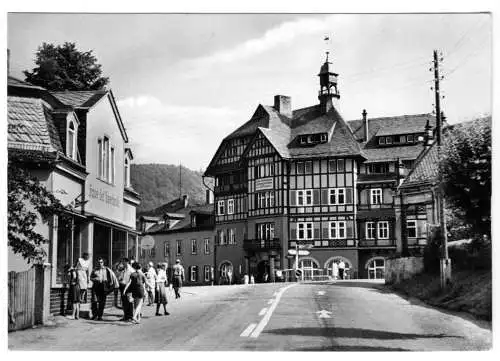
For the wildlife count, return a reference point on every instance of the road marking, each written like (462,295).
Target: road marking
(248,330)
(267,316)
(324,314)
(321,293)
(262,311)
(270,301)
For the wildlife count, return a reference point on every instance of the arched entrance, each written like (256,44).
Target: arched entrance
(348,266)
(376,268)
(310,268)
(263,269)
(226,273)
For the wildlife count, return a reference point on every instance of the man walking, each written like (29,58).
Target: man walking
(127,307)
(178,277)
(103,282)
(341,269)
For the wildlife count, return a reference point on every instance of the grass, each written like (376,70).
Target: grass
(470,292)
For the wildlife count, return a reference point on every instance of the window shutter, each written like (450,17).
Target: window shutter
(422,229)
(324,196)
(293,198)
(293,233)
(317,230)
(348,196)
(349,230)
(326,231)
(316,197)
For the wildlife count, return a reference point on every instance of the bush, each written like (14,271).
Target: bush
(475,255)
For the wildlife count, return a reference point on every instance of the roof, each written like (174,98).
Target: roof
(31,125)
(12,81)
(407,152)
(185,221)
(402,124)
(170,207)
(80,99)
(425,170)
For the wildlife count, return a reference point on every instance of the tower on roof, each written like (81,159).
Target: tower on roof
(328,94)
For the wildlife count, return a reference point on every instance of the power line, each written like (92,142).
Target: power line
(464,36)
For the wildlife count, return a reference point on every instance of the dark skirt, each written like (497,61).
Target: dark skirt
(177,282)
(161,294)
(74,293)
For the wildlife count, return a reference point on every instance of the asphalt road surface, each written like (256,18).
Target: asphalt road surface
(341,316)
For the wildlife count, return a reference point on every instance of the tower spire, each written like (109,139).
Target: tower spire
(328,93)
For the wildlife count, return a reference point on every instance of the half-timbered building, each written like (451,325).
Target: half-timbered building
(288,178)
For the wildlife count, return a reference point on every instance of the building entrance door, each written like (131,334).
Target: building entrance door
(263,271)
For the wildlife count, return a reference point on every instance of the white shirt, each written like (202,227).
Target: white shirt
(342,265)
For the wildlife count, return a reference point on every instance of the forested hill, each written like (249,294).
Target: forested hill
(158,184)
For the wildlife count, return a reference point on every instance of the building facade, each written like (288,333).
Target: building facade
(187,235)
(289,179)
(75,143)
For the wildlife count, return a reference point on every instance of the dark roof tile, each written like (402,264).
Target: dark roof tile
(80,99)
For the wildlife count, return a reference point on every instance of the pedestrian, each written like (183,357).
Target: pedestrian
(161,289)
(74,291)
(341,269)
(82,268)
(252,280)
(127,307)
(335,270)
(136,287)
(103,282)
(150,283)
(178,277)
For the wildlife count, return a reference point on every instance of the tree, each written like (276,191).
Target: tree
(27,200)
(63,67)
(466,167)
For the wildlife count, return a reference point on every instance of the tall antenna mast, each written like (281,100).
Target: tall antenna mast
(180,180)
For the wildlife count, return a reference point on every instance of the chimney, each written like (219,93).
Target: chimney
(185,200)
(209,196)
(365,123)
(429,135)
(283,104)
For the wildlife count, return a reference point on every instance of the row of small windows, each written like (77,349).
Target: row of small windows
(193,273)
(106,169)
(336,230)
(221,207)
(378,230)
(401,139)
(334,165)
(194,247)
(313,138)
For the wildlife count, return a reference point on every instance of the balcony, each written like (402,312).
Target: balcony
(261,244)
(375,243)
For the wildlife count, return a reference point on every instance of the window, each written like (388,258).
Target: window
(207,245)
(377,168)
(376,269)
(409,138)
(127,172)
(220,208)
(194,248)
(370,230)
(402,139)
(381,140)
(305,230)
(383,230)
(206,273)
(265,231)
(112,166)
(166,249)
(337,230)
(340,165)
(222,237)
(332,165)
(308,167)
(337,196)
(100,160)
(105,159)
(232,236)
(302,140)
(304,197)
(411,227)
(179,247)
(300,168)
(376,196)
(388,140)
(323,138)
(265,199)
(193,274)
(71,141)
(230,206)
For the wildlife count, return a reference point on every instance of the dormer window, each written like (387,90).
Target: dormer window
(381,140)
(323,138)
(71,140)
(302,140)
(409,138)
(193,220)
(388,140)
(402,139)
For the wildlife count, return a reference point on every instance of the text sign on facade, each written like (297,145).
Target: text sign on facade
(104,196)
(264,183)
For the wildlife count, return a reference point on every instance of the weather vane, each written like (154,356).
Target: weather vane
(327,42)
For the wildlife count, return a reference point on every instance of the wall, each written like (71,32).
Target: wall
(105,199)
(399,269)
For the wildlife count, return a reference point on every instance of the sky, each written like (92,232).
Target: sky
(185,81)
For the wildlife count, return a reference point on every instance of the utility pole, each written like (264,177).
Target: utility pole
(445,262)
(180,180)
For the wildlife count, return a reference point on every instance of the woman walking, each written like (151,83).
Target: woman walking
(136,288)
(161,291)
(151,283)
(74,295)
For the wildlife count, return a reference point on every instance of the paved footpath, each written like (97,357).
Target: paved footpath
(325,316)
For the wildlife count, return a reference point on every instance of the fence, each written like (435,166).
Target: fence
(21,299)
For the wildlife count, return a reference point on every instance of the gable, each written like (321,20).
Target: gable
(260,146)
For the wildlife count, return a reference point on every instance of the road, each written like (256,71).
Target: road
(341,316)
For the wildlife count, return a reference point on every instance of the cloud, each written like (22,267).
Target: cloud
(167,133)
